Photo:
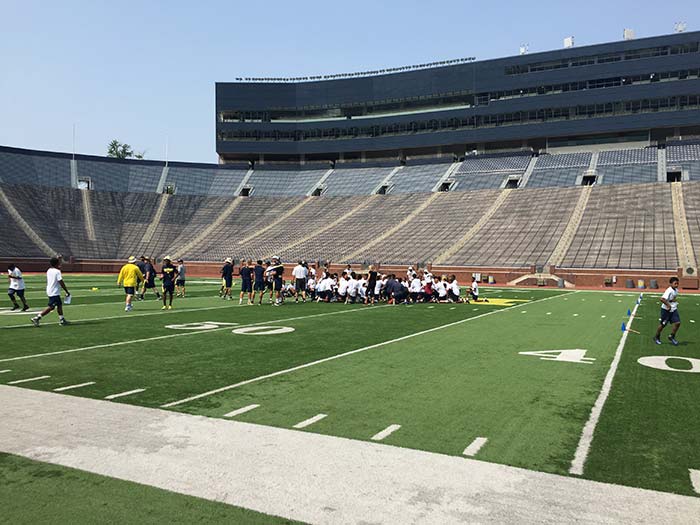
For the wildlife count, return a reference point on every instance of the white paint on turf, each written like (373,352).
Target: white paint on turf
(127,393)
(379,436)
(475,446)
(171,336)
(19,381)
(695,479)
(307,476)
(310,421)
(584,444)
(5,371)
(263,330)
(240,411)
(345,354)
(71,387)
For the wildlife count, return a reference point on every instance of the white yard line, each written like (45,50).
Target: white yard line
(345,354)
(5,371)
(475,446)
(379,436)
(71,387)
(240,411)
(310,421)
(27,380)
(695,479)
(584,444)
(171,336)
(306,476)
(129,315)
(127,393)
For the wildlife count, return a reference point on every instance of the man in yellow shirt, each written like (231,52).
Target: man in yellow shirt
(130,276)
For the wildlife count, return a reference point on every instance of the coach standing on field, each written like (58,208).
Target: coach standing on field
(130,275)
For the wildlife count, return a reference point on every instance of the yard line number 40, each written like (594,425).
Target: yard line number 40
(578,355)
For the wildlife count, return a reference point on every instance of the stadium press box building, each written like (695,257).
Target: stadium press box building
(634,91)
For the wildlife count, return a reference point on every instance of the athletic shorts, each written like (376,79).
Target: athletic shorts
(277,285)
(150,284)
(259,286)
(168,287)
(268,285)
(228,282)
(180,282)
(668,317)
(55,301)
(300,285)
(246,286)
(12,291)
(129,290)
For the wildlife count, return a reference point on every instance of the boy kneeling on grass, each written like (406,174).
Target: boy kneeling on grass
(54,283)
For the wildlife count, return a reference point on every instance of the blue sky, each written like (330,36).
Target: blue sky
(143,71)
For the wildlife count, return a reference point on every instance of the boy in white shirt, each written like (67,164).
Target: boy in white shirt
(439,290)
(16,287)
(352,288)
(669,312)
(54,283)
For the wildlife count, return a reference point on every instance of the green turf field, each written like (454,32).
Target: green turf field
(443,375)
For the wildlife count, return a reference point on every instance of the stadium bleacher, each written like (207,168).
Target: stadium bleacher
(622,225)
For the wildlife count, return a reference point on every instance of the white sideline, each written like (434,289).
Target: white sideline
(240,411)
(19,381)
(170,336)
(310,421)
(695,479)
(379,436)
(305,476)
(475,446)
(127,393)
(584,444)
(128,315)
(345,354)
(71,387)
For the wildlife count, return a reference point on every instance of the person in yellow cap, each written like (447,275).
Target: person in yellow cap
(130,276)
(169,275)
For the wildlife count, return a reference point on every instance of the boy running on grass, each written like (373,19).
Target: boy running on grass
(14,275)
(669,312)
(54,283)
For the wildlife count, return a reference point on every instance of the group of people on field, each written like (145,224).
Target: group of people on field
(348,286)
(366,287)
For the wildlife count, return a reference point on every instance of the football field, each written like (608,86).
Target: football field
(541,379)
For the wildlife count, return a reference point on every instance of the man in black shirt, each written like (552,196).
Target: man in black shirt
(169,275)
(259,284)
(275,273)
(227,278)
(246,281)
(149,282)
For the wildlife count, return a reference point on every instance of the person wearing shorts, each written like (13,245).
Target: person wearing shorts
(180,283)
(149,275)
(227,278)
(246,282)
(16,287)
(300,273)
(275,272)
(54,283)
(129,277)
(168,277)
(669,313)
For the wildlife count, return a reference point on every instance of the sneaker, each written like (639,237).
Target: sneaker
(35,321)
(63,322)
(126,308)
(25,308)
(164,307)
(170,307)
(673,340)
(657,340)
(15,307)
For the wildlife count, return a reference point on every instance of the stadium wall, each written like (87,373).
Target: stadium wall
(583,279)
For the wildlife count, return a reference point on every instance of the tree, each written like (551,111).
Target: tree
(118,150)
